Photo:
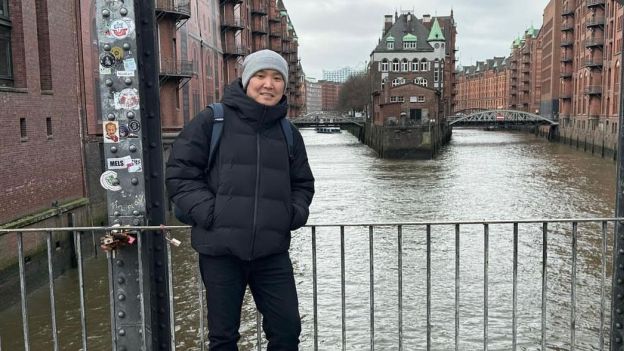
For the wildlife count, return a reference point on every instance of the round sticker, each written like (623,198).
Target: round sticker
(117,52)
(134,126)
(109,181)
(107,60)
(127,99)
(123,131)
(121,28)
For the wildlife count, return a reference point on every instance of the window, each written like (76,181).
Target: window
(384,65)
(409,45)
(397,99)
(6,71)
(420,81)
(421,99)
(395,65)
(398,81)
(404,65)
(424,65)
(390,45)
(23,132)
(415,65)
(436,76)
(49,127)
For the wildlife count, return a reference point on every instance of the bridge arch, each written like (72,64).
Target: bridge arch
(499,116)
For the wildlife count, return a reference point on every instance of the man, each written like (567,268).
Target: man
(244,205)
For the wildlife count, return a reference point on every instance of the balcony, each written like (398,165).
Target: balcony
(594,3)
(276,32)
(567,43)
(235,2)
(259,27)
(259,9)
(593,63)
(595,22)
(566,75)
(275,18)
(234,50)
(593,90)
(176,68)
(567,27)
(175,10)
(594,42)
(566,59)
(567,12)
(232,23)
(565,96)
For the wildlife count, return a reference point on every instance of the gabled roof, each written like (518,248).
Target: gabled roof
(400,28)
(409,37)
(436,32)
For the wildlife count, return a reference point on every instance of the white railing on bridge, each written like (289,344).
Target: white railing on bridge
(499,116)
(505,284)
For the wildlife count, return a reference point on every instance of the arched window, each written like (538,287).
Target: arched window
(384,65)
(398,81)
(404,65)
(415,65)
(395,65)
(424,65)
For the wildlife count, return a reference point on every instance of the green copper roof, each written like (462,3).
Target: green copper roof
(436,32)
(283,13)
(409,37)
(390,38)
(532,31)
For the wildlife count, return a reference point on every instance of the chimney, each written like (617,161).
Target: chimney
(426,18)
(387,23)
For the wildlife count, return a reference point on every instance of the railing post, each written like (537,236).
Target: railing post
(617,296)
(129,98)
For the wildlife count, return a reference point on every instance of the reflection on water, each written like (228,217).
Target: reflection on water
(479,175)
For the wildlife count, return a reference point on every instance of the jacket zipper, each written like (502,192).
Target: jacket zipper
(255,215)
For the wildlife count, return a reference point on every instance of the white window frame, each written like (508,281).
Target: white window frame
(384,65)
(395,65)
(404,65)
(414,65)
(390,45)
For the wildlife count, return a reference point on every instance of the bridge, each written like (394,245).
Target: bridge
(326,121)
(497,117)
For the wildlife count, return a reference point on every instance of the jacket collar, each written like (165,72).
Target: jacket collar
(252,112)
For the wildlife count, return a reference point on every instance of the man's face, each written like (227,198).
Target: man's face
(266,87)
(111,129)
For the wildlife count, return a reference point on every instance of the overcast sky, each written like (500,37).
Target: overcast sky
(337,33)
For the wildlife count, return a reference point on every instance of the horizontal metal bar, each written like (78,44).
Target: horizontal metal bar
(363,224)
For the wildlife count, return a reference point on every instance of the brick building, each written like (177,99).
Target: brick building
(483,86)
(330,92)
(413,65)
(42,156)
(313,96)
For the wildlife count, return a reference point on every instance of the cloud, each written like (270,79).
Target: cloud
(337,33)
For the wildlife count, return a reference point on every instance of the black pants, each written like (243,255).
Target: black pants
(272,285)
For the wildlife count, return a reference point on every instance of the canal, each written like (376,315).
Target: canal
(479,175)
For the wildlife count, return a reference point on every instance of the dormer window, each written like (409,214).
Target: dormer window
(409,41)
(390,42)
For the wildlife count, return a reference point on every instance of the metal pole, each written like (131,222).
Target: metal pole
(617,296)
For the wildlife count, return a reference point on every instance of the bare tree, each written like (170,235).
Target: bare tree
(355,93)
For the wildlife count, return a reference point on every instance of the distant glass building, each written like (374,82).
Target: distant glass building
(340,75)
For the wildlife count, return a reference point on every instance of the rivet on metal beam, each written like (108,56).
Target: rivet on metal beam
(128,81)
(107,47)
(133,148)
(105,13)
(123,11)
(130,114)
(134,181)
(121,297)
(618,340)
(121,314)
(619,296)
(121,280)
(113,149)
(136,213)
(111,116)
(126,46)
(121,332)
(119,263)
(108,82)
(117,221)
(618,325)
(156,204)
(136,222)
(117,213)
(618,310)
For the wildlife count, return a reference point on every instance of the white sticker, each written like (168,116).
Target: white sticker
(118,163)
(120,29)
(127,99)
(111,131)
(135,165)
(109,181)
(130,64)
(105,70)
(125,73)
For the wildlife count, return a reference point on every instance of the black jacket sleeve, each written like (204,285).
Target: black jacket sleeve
(301,183)
(185,171)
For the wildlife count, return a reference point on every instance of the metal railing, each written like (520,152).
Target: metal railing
(172,67)
(396,271)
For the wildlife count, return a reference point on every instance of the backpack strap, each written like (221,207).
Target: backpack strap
(217,128)
(288,134)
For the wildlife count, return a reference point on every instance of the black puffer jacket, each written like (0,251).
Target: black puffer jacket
(249,200)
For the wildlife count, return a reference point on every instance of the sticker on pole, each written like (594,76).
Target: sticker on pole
(127,99)
(111,132)
(120,29)
(109,181)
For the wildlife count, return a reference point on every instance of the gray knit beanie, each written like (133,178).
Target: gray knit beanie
(264,59)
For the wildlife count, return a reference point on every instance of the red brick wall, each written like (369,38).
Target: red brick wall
(39,170)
